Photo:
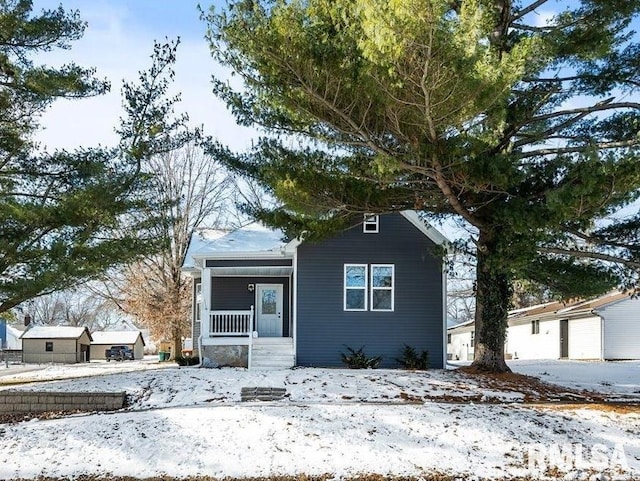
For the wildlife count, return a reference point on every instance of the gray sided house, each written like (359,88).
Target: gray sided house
(262,302)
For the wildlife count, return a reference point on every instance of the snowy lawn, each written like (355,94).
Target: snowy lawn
(613,378)
(189,422)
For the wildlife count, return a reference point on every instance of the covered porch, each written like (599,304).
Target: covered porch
(246,314)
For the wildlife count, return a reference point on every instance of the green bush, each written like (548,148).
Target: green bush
(359,360)
(187,361)
(411,360)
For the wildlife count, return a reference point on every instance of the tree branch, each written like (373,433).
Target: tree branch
(523,11)
(590,255)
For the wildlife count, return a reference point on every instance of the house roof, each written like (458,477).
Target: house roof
(13,331)
(462,326)
(572,308)
(116,337)
(256,239)
(557,309)
(253,238)
(55,332)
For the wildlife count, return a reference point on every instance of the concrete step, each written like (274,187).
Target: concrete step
(268,366)
(272,353)
(279,341)
(280,362)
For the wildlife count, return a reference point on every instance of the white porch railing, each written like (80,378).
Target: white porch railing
(231,323)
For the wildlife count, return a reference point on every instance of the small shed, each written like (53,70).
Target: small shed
(103,340)
(59,344)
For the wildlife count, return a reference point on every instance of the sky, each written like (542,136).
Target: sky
(118,43)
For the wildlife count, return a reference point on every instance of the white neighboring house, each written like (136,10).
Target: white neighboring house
(461,341)
(103,340)
(125,324)
(605,328)
(13,338)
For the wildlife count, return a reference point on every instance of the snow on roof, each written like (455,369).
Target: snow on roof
(116,337)
(13,331)
(253,238)
(470,322)
(574,307)
(54,332)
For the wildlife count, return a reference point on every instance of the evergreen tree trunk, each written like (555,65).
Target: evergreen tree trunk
(493,296)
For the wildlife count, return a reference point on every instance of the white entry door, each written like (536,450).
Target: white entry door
(269,310)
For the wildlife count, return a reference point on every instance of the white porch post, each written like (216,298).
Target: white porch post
(205,318)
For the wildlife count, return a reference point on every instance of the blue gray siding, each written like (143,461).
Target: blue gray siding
(231,293)
(324,329)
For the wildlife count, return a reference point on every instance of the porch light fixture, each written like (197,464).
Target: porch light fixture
(251,287)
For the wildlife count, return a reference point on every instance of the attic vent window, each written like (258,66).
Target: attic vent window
(371,224)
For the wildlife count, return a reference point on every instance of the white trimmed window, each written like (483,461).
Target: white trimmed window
(371,224)
(355,287)
(198,303)
(382,286)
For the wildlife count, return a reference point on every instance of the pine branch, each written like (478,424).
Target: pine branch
(590,255)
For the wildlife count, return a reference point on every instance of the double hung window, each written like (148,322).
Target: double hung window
(369,287)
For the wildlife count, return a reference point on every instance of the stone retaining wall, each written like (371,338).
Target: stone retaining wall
(40,401)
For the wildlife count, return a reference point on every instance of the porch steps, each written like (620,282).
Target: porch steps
(272,353)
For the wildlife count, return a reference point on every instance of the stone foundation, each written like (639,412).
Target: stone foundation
(218,356)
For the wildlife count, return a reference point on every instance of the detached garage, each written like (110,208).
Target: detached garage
(57,344)
(621,321)
(103,340)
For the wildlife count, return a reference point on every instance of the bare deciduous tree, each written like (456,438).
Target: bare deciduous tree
(195,192)
(74,307)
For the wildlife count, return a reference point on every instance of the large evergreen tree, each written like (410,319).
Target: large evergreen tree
(527,131)
(65,216)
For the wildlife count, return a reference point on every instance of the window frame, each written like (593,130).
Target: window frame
(365,288)
(371,224)
(392,288)
(48,346)
(535,327)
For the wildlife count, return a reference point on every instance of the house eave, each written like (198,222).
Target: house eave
(246,255)
(251,271)
(551,316)
(431,232)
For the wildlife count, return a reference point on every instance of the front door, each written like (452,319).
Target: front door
(269,310)
(564,338)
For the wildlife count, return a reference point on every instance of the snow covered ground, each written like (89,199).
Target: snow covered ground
(188,421)
(613,378)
